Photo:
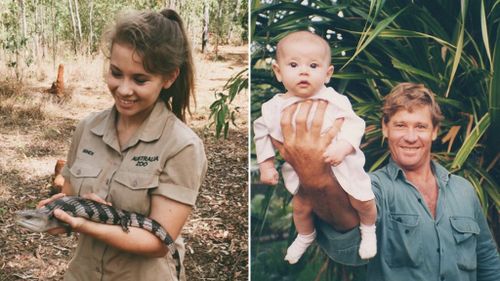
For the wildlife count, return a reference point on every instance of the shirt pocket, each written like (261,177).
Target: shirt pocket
(465,231)
(403,245)
(130,191)
(84,178)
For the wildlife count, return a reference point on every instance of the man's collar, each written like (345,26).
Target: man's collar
(442,175)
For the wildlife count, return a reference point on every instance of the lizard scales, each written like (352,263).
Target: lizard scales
(41,220)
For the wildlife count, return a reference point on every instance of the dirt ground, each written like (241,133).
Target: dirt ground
(36,129)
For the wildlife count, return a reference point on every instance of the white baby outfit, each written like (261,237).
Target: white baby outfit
(349,173)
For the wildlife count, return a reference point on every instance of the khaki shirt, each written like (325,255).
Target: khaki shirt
(164,157)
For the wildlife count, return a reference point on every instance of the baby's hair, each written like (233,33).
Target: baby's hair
(160,40)
(409,96)
(303,33)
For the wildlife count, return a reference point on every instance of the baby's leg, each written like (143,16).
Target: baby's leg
(304,223)
(367,211)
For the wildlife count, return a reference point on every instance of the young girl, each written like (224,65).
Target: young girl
(138,156)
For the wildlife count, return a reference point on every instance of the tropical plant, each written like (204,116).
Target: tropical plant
(450,46)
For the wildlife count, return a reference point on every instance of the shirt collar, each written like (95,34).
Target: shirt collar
(325,93)
(442,175)
(149,131)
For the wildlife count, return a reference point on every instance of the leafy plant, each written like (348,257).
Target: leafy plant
(222,111)
(450,46)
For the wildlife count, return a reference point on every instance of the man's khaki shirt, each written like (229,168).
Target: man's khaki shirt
(164,157)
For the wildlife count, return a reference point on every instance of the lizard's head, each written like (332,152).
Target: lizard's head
(36,221)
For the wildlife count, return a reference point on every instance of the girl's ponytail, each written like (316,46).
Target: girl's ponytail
(177,97)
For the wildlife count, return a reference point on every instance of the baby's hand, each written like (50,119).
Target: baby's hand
(333,158)
(269,176)
(336,153)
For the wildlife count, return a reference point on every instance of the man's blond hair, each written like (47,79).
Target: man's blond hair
(409,96)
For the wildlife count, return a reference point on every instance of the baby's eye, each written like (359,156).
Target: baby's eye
(293,64)
(313,65)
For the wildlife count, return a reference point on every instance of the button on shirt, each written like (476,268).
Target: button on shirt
(164,157)
(456,245)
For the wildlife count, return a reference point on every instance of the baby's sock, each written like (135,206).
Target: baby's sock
(299,246)
(368,245)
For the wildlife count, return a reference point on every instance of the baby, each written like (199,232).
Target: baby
(303,66)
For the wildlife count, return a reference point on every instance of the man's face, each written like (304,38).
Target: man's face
(410,136)
(303,67)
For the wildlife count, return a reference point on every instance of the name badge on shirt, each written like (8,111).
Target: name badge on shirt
(143,161)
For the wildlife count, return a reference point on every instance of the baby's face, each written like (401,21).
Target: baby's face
(303,66)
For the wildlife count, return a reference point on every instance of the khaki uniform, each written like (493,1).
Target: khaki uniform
(163,158)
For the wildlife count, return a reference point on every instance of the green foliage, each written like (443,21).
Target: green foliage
(221,110)
(379,43)
(11,39)
(226,16)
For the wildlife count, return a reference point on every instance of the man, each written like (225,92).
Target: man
(429,226)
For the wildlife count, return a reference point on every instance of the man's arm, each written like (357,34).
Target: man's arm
(303,148)
(488,260)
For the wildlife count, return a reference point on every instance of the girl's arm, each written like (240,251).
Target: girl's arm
(171,214)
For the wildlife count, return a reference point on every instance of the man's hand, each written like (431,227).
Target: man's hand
(303,148)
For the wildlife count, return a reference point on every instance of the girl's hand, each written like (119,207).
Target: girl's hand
(54,231)
(95,197)
(48,200)
(76,222)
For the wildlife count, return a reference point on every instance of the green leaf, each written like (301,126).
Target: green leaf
(379,28)
(494,91)
(410,69)
(484,33)
(460,46)
(379,161)
(470,142)
(491,187)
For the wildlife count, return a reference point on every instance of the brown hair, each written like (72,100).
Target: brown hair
(160,40)
(408,96)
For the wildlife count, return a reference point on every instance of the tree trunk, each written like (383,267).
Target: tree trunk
(172,4)
(23,19)
(20,48)
(91,33)
(206,19)
(235,19)
(43,39)
(78,22)
(36,37)
(219,29)
(54,35)
(70,6)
